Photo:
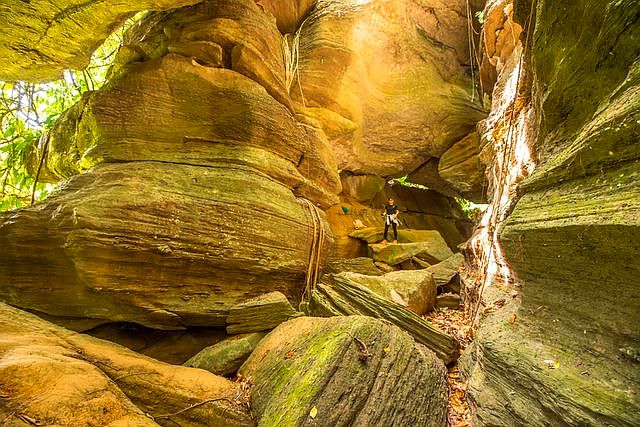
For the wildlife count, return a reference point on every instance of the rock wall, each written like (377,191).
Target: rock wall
(387,103)
(569,355)
(189,205)
(193,174)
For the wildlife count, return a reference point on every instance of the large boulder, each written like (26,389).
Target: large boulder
(227,356)
(189,205)
(52,376)
(432,251)
(337,295)
(573,238)
(414,289)
(163,245)
(458,172)
(345,371)
(379,121)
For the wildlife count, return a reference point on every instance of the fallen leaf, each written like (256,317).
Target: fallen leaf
(289,354)
(313,412)
(387,349)
(512,318)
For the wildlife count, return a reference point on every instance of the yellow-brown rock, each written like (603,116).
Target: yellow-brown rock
(288,13)
(52,376)
(161,244)
(394,70)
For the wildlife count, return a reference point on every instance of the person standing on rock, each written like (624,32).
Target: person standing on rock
(390,219)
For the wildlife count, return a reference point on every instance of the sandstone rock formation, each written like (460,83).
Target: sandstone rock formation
(337,295)
(40,39)
(389,102)
(192,188)
(345,371)
(572,239)
(227,356)
(414,289)
(52,376)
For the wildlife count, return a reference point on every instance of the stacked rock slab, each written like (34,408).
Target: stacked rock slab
(338,295)
(345,371)
(573,239)
(190,203)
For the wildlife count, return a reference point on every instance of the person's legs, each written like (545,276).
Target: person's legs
(395,233)
(386,229)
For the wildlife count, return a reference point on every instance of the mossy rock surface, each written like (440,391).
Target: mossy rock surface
(226,357)
(313,372)
(336,295)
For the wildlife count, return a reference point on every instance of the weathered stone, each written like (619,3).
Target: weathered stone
(572,238)
(448,301)
(361,188)
(163,245)
(461,167)
(52,376)
(432,251)
(261,313)
(384,266)
(41,38)
(397,122)
(342,224)
(226,357)
(167,346)
(373,235)
(288,13)
(458,172)
(414,289)
(444,272)
(182,131)
(427,175)
(345,371)
(571,387)
(337,296)
(360,265)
